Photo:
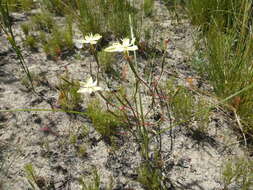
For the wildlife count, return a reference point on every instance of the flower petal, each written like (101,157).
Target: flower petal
(125,42)
(114,49)
(83,90)
(97,37)
(89,82)
(132,48)
(88,37)
(93,42)
(89,86)
(96,88)
(125,46)
(82,84)
(132,41)
(92,39)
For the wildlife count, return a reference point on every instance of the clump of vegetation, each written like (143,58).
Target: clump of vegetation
(186,108)
(58,7)
(36,78)
(81,148)
(150,177)
(94,183)
(202,114)
(26,28)
(181,101)
(59,42)
(148,6)
(227,48)
(105,123)
(69,98)
(19,5)
(43,21)
(175,5)
(119,13)
(30,40)
(35,180)
(107,59)
(104,17)
(222,13)
(238,170)
(42,30)
(229,69)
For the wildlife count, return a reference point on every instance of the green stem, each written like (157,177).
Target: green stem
(94,53)
(45,110)
(7,28)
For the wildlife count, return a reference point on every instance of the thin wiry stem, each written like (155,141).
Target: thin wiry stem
(7,28)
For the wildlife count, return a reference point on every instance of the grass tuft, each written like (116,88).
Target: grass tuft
(103,121)
(227,54)
(69,98)
(238,170)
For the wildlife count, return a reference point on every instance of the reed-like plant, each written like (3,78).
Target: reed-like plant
(227,32)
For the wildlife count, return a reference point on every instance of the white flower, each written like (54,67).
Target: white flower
(89,39)
(89,86)
(124,47)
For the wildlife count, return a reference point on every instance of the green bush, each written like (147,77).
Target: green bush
(59,7)
(238,170)
(181,101)
(19,5)
(227,50)
(69,98)
(103,121)
(111,16)
(59,41)
(148,7)
(43,21)
(150,177)
(223,13)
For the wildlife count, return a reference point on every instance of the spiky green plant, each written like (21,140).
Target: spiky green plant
(104,122)
(227,57)
(238,171)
